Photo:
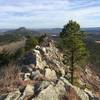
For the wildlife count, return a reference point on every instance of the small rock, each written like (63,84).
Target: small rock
(43,85)
(62,71)
(27,76)
(29,89)
(50,74)
(36,74)
(28,92)
(13,95)
(32,66)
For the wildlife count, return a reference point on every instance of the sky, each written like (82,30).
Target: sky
(48,13)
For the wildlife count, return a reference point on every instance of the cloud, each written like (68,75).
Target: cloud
(48,13)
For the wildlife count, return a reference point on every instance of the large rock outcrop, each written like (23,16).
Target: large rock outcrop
(48,90)
(44,77)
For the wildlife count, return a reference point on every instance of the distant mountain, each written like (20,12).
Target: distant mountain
(22,31)
(3,30)
(95,30)
(54,31)
(93,33)
(13,35)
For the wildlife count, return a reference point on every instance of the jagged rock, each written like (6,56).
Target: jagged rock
(29,89)
(44,57)
(47,61)
(60,88)
(50,74)
(40,86)
(52,92)
(68,76)
(79,92)
(43,49)
(36,74)
(88,72)
(13,95)
(46,90)
(91,95)
(28,92)
(27,68)
(47,94)
(39,62)
(62,70)
(27,76)
(32,66)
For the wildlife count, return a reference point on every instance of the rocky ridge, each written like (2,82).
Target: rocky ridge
(45,78)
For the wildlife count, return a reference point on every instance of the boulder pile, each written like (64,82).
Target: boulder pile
(44,72)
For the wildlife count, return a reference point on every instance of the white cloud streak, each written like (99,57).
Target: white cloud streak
(48,13)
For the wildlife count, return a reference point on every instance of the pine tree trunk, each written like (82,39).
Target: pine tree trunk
(72,68)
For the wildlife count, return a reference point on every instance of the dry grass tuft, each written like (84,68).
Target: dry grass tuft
(9,78)
(69,95)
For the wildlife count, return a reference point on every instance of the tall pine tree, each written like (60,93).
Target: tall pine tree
(74,46)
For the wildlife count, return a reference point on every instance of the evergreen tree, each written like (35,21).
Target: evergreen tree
(31,42)
(74,46)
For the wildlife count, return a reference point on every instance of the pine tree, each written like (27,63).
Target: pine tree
(74,46)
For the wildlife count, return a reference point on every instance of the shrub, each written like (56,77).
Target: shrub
(31,42)
(41,38)
(4,58)
(19,53)
(7,57)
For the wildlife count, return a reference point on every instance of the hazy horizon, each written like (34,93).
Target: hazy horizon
(45,28)
(48,13)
